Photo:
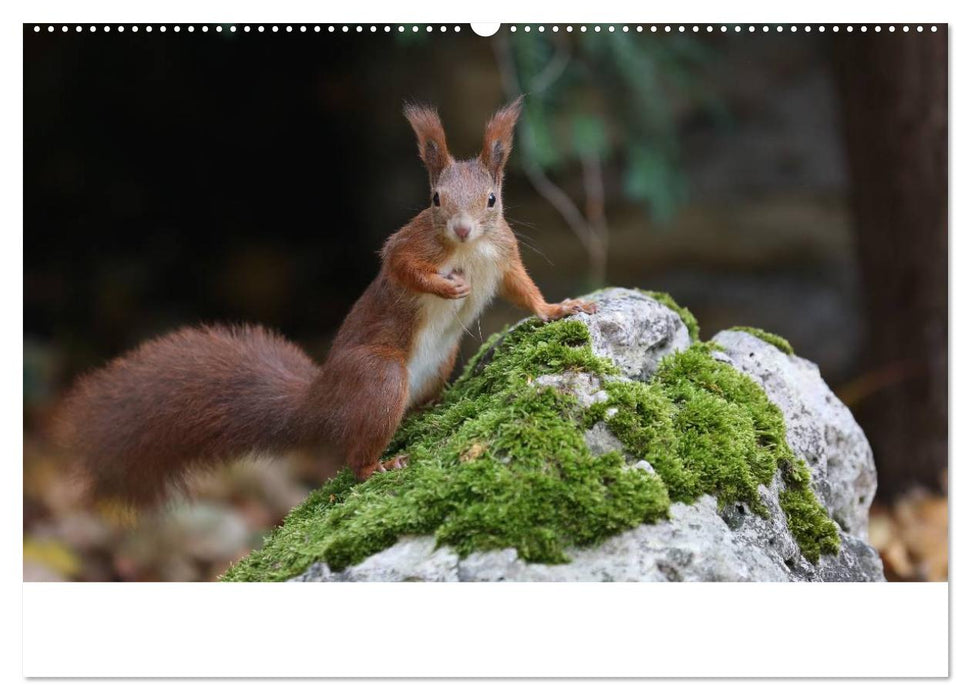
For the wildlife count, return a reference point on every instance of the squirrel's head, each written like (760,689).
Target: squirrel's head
(466,195)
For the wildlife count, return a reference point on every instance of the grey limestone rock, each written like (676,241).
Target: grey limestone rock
(699,541)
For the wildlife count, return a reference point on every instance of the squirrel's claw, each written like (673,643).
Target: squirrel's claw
(399,462)
(568,307)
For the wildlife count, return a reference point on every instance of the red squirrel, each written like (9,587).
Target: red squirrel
(206,395)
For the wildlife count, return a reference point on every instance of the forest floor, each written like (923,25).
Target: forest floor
(233,508)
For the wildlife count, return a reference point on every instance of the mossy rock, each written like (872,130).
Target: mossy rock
(776,341)
(506,481)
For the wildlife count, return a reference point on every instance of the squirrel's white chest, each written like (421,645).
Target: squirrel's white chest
(445,320)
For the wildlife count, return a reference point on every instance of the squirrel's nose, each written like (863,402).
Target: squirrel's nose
(462,232)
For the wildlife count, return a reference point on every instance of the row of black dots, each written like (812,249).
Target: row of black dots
(302,28)
(414,28)
(738,28)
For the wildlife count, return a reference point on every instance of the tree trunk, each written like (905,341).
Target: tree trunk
(894,94)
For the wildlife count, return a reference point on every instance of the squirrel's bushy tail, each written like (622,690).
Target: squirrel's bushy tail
(198,396)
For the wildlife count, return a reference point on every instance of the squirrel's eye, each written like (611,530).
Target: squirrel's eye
(492,199)
(436,200)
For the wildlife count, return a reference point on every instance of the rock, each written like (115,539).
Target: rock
(586,388)
(819,428)
(643,465)
(601,441)
(634,331)
(414,559)
(694,544)
(697,541)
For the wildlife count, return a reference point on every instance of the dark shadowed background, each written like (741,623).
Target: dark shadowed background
(795,182)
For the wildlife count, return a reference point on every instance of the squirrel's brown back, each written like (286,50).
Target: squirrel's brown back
(201,396)
(197,396)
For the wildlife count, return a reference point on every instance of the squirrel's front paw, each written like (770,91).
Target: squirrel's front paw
(459,288)
(568,307)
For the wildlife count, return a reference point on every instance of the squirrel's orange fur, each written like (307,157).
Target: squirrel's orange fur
(202,396)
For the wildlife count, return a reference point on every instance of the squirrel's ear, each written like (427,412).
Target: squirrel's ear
(498,138)
(431,138)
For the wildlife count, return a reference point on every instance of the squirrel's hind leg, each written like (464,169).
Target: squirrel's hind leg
(428,397)
(374,394)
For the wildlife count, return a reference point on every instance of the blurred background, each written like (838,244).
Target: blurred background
(794,182)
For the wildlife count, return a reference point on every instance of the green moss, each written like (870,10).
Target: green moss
(705,428)
(810,524)
(501,460)
(770,338)
(686,316)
